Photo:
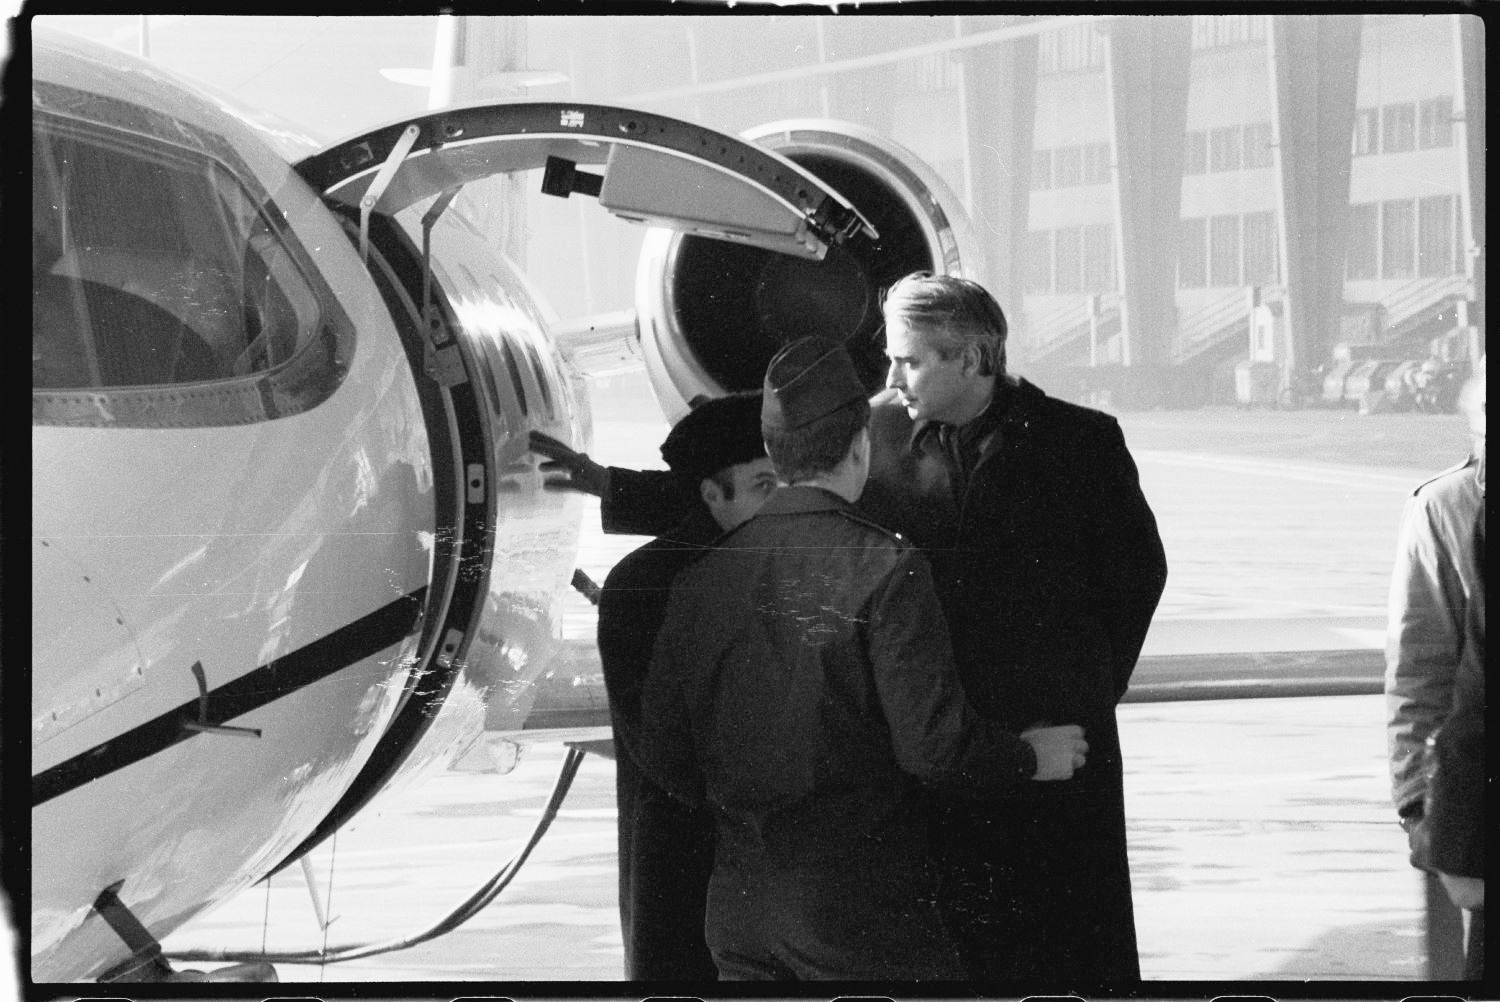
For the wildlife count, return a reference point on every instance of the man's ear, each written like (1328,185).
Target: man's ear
(710,492)
(973,364)
(859,449)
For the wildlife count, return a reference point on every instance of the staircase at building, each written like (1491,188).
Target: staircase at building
(1225,321)
(1062,337)
(1420,310)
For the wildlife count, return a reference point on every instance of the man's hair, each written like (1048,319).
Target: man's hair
(952,313)
(817,448)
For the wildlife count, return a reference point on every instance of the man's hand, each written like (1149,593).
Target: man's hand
(1059,751)
(1465,892)
(567,469)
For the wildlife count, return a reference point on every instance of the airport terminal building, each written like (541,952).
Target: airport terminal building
(1148,193)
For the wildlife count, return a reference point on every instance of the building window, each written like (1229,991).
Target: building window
(1218,30)
(1075,47)
(1069,243)
(1096,163)
(1260,249)
(1361,254)
(1224,250)
(1366,131)
(1224,152)
(1098,258)
(1192,254)
(1195,152)
(1435,123)
(1068,167)
(1397,238)
(1039,262)
(1398,128)
(1041,170)
(1258,145)
(929,74)
(1435,242)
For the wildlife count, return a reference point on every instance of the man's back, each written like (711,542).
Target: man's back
(814,680)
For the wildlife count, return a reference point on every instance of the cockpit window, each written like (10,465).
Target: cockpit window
(158,279)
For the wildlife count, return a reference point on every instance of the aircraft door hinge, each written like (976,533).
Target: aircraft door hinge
(835,223)
(441,360)
(381,181)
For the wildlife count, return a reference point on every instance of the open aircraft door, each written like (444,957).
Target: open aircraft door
(657,170)
(712,314)
(393,186)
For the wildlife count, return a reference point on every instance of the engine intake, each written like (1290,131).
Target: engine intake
(711,313)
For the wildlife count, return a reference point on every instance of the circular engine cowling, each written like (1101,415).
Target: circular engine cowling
(711,314)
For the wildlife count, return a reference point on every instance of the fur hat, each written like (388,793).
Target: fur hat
(714,435)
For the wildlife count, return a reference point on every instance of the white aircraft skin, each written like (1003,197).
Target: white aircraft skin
(262,594)
(290,558)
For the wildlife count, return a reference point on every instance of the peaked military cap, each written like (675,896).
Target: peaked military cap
(714,435)
(807,380)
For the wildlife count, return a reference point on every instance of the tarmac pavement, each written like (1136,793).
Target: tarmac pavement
(1263,846)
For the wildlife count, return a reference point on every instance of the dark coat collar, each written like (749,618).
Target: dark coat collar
(1019,404)
(803,500)
(697,529)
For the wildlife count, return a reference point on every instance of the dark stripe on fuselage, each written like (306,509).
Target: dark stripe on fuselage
(361,639)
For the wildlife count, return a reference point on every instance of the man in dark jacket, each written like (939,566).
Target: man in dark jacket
(666,849)
(802,685)
(1049,567)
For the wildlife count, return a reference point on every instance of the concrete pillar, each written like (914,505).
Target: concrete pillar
(1314,72)
(1468,109)
(1148,63)
(1001,110)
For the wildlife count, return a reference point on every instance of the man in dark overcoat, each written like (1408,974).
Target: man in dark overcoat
(802,685)
(1049,566)
(717,458)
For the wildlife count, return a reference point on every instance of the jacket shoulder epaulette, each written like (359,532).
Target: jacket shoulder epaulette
(860,518)
(1450,471)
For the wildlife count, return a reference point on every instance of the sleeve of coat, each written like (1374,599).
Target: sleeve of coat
(1422,643)
(642,502)
(935,735)
(665,749)
(1456,779)
(629,615)
(1131,563)
(1456,773)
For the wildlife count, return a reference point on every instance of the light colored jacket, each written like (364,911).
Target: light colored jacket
(1436,577)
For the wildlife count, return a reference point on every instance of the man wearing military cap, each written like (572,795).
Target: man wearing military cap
(717,459)
(1049,566)
(802,686)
